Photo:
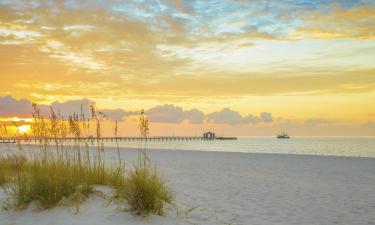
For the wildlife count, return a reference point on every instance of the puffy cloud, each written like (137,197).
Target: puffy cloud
(167,113)
(69,107)
(266,117)
(118,114)
(194,116)
(370,124)
(174,114)
(10,107)
(228,116)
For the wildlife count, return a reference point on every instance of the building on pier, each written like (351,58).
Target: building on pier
(209,135)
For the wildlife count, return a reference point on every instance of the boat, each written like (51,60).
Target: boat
(283,135)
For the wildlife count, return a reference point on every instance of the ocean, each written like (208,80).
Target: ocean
(334,146)
(331,146)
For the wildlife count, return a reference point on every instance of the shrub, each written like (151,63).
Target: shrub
(52,181)
(9,165)
(46,183)
(3,173)
(146,191)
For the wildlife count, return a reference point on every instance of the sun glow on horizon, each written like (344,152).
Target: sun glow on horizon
(24,129)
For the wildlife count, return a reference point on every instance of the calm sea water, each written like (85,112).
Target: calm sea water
(335,146)
(338,146)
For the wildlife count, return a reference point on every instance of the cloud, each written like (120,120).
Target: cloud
(168,113)
(165,114)
(228,116)
(86,42)
(174,114)
(69,107)
(194,116)
(266,117)
(102,48)
(339,22)
(309,81)
(370,124)
(118,114)
(10,107)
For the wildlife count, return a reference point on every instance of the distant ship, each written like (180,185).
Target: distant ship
(284,135)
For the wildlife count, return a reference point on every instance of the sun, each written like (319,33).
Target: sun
(24,128)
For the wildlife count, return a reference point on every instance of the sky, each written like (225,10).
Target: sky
(236,67)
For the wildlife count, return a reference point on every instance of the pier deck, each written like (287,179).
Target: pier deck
(153,138)
(7,140)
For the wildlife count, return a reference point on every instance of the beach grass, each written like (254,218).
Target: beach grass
(9,165)
(49,182)
(146,191)
(4,168)
(58,170)
(69,171)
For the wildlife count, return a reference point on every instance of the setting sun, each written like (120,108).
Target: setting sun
(24,129)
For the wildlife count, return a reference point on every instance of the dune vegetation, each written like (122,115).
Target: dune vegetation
(145,190)
(68,170)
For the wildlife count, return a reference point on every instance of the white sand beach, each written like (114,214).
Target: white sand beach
(235,188)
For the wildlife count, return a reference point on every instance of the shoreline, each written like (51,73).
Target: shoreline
(220,152)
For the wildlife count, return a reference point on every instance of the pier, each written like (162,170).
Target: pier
(152,138)
(7,140)
(208,136)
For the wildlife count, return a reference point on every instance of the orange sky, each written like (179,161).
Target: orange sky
(235,67)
